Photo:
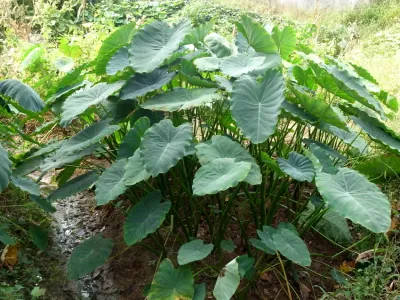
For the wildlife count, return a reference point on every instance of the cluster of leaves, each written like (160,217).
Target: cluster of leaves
(200,133)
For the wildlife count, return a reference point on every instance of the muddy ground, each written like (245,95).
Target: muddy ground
(129,270)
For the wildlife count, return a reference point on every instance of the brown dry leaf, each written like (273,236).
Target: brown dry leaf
(347,266)
(266,277)
(9,257)
(365,255)
(304,291)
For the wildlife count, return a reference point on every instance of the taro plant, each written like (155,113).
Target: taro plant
(201,133)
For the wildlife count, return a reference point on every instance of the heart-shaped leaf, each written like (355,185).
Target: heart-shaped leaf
(118,62)
(170,283)
(163,145)
(88,256)
(285,40)
(297,166)
(290,245)
(111,183)
(133,138)
(155,43)
(22,93)
(256,36)
(145,218)
(227,282)
(352,196)
(119,38)
(74,186)
(77,103)
(255,106)
(141,84)
(241,64)
(134,170)
(218,45)
(180,99)
(193,251)
(224,147)
(219,175)
(87,137)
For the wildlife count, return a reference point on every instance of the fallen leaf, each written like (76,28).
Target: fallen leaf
(304,291)
(9,257)
(347,266)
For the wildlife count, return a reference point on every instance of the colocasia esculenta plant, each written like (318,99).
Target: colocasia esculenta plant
(203,133)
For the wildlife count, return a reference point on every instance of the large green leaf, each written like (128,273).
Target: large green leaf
(342,84)
(111,183)
(134,170)
(43,203)
(319,108)
(119,38)
(87,137)
(297,166)
(39,237)
(5,238)
(77,103)
(141,84)
(22,93)
(200,291)
(219,175)
(172,284)
(207,63)
(132,139)
(26,184)
(163,145)
(290,245)
(378,132)
(88,256)
(255,106)
(351,195)
(198,34)
(380,168)
(266,236)
(5,169)
(62,158)
(145,218)
(350,138)
(256,36)
(224,147)
(155,43)
(218,45)
(193,251)
(74,186)
(180,99)
(285,40)
(118,62)
(332,225)
(227,282)
(241,64)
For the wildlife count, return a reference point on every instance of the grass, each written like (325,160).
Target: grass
(17,213)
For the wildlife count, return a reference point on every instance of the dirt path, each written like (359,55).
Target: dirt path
(74,221)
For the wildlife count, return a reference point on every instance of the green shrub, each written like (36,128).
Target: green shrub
(201,132)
